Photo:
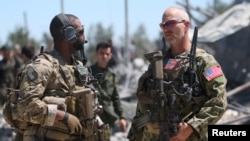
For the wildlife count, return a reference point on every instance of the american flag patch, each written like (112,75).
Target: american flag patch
(213,73)
(172,64)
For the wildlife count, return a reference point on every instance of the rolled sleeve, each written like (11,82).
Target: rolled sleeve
(49,121)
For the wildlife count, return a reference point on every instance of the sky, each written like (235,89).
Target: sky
(107,12)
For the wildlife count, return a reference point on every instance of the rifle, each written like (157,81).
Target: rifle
(41,49)
(192,56)
(193,88)
(193,84)
(166,106)
(156,60)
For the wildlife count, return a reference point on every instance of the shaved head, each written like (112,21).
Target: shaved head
(175,13)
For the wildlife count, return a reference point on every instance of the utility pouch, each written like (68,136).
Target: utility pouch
(10,113)
(70,102)
(91,132)
(104,132)
(30,134)
(86,105)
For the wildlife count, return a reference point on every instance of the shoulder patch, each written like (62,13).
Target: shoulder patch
(213,72)
(31,73)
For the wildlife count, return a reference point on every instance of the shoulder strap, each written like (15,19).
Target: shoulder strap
(64,73)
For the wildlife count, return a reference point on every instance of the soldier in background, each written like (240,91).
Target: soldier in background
(115,55)
(107,86)
(27,52)
(8,69)
(193,113)
(16,53)
(53,100)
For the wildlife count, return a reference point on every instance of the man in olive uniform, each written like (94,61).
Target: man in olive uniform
(107,86)
(53,101)
(187,116)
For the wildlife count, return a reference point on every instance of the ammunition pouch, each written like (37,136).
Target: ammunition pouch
(91,132)
(85,104)
(81,103)
(90,129)
(70,102)
(104,133)
(10,113)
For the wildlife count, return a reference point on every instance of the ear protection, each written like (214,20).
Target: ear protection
(68,30)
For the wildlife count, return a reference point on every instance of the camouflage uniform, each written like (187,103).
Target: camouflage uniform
(211,103)
(49,76)
(8,69)
(108,95)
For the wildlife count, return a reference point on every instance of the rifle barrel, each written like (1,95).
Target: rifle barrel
(192,56)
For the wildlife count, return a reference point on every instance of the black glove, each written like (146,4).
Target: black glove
(72,122)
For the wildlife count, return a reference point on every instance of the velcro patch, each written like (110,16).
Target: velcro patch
(172,64)
(31,73)
(213,72)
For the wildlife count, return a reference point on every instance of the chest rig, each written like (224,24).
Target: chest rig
(177,78)
(81,96)
(164,91)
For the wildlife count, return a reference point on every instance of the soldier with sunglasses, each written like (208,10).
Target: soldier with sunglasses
(54,99)
(187,112)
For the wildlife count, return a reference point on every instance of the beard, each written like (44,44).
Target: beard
(176,37)
(79,51)
(78,45)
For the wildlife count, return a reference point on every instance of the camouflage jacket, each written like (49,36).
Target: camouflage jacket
(48,76)
(211,103)
(108,94)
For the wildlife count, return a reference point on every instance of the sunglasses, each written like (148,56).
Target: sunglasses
(80,32)
(171,23)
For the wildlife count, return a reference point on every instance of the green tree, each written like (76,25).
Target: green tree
(142,43)
(21,36)
(47,41)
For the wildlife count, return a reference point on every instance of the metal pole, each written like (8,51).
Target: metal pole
(126,32)
(62,7)
(26,28)
(238,89)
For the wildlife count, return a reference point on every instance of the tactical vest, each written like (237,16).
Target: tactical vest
(80,100)
(175,77)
